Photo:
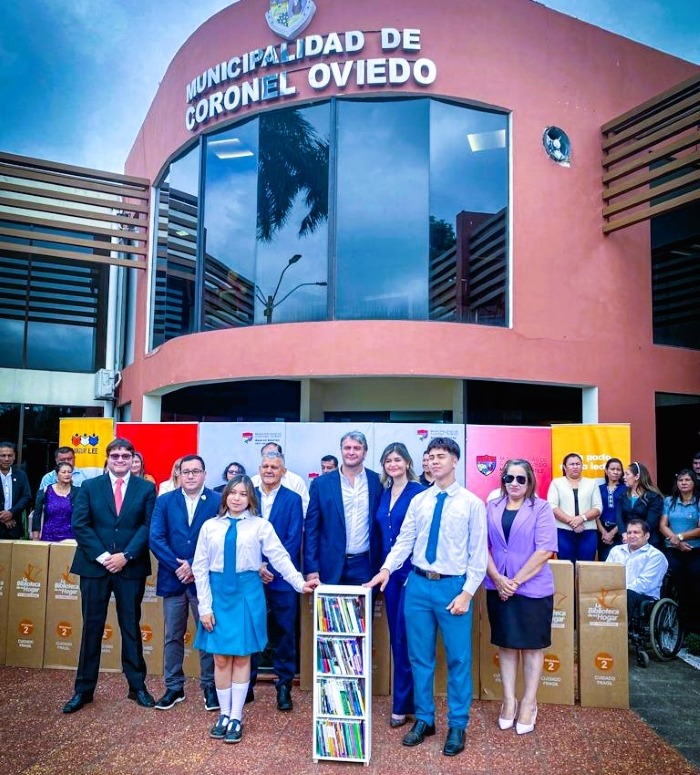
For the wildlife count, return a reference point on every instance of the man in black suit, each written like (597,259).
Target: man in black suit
(111,521)
(341,544)
(15,494)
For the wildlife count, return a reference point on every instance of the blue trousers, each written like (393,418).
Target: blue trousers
(577,546)
(175,611)
(402,702)
(426,612)
(282,605)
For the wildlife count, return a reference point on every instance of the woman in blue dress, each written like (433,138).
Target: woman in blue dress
(232,609)
(400,486)
(610,493)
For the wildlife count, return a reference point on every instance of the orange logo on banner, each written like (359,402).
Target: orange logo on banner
(26,627)
(607,599)
(64,629)
(146,633)
(32,572)
(495,660)
(551,663)
(68,577)
(604,661)
(108,632)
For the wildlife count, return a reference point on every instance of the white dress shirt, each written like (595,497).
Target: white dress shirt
(267,501)
(292,482)
(191,504)
(255,537)
(356,509)
(645,568)
(462,541)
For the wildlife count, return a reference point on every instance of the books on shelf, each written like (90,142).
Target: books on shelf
(340,614)
(339,656)
(340,739)
(342,697)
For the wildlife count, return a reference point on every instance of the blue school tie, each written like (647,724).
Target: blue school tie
(230,553)
(431,549)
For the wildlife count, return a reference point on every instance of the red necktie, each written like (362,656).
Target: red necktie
(118,494)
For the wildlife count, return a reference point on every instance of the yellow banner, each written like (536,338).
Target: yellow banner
(595,443)
(88,437)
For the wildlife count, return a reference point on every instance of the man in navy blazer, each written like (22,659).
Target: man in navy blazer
(177,519)
(15,494)
(111,519)
(283,508)
(341,544)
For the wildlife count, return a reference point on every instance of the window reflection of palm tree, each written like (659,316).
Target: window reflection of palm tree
(293,160)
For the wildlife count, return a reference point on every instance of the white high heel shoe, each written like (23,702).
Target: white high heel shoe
(507,723)
(523,729)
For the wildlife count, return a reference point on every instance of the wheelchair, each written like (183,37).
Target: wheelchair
(657,626)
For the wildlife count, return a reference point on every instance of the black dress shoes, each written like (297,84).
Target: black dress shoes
(170,698)
(284,698)
(398,721)
(142,697)
(454,742)
(211,698)
(77,701)
(418,732)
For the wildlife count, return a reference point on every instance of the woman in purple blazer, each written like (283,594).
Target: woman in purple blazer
(522,536)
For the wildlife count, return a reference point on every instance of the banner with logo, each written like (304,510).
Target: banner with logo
(160,443)
(221,443)
(88,437)
(595,443)
(490,446)
(308,442)
(416,437)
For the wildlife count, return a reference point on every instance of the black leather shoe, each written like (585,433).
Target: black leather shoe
(142,697)
(218,731)
(398,721)
(77,701)
(234,731)
(454,742)
(418,732)
(211,698)
(170,698)
(250,697)
(284,697)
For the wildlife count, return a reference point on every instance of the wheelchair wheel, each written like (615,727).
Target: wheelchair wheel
(665,631)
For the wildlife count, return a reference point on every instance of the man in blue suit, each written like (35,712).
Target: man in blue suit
(340,538)
(177,519)
(15,494)
(284,510)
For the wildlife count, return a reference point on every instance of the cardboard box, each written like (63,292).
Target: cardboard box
(557,683)
(64,621)
(152,624)
(602,635)
(190,663)
(441,659)
(306,643)
(27,605)
(5,573)
(558,675)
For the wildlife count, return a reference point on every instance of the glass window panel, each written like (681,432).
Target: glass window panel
(468,214)
(382,233)
(292,219)
(60,347)
(229,227)
(176,250)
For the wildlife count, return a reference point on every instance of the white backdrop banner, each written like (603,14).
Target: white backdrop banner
(221,443)
(308,442)
(416,437)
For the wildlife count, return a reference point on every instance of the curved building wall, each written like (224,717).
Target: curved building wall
(580,303)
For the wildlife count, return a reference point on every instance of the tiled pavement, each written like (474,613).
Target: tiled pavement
(113,736)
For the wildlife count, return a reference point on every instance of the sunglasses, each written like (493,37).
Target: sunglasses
(510,478)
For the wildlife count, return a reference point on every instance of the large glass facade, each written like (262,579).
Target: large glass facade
(347,209)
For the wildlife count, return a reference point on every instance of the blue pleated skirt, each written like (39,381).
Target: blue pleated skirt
(240,616)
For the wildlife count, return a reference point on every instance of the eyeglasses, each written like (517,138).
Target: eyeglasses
(233,472)
(192,472)
(519,478)
(120,455)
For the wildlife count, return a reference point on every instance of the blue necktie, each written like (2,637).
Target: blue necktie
(230,553)
(431,549)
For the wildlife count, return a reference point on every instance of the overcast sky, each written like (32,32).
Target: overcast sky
(77,76)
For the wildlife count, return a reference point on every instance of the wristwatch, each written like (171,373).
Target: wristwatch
(680,537)
(128,556)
